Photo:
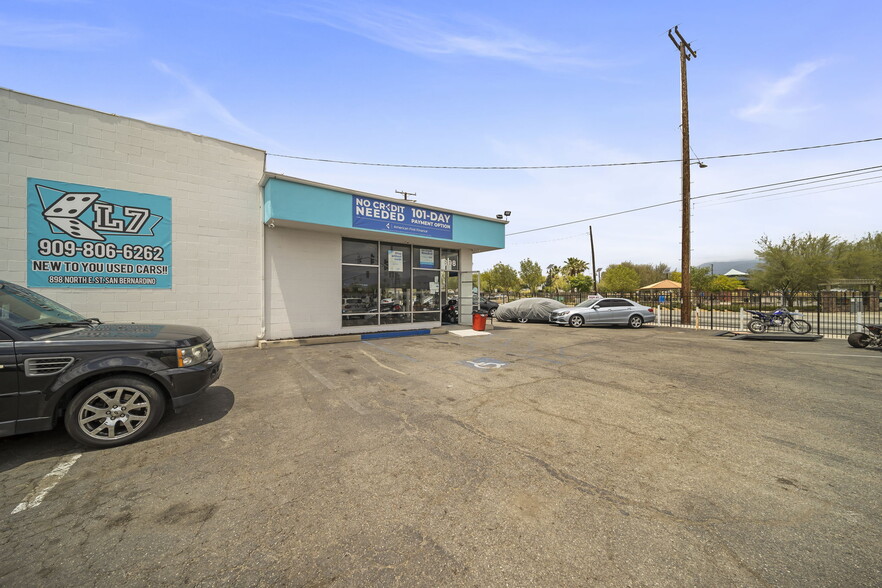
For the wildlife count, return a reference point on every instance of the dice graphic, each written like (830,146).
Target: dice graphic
(63,214)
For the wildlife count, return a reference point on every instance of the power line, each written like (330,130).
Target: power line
(577,235)
(836,175)
(853,184)
(575,166)
(806,180)
(741,198)
(597,217)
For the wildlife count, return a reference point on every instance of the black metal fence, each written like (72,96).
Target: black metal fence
(831,313)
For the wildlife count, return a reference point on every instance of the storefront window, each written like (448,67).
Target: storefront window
(426,258)
(360,252)
(426,291)
(450,260)
(389,283)
(426,317)
(395,318)
(395,278)
(359,295)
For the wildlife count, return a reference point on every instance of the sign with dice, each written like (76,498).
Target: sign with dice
(90,237)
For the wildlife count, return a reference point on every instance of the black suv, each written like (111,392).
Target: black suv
(110,383)
(489,306)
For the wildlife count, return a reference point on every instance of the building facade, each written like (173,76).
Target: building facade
(135,222)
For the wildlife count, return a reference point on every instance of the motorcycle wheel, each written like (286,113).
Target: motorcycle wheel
(859,340)
(756,326)
(800,327)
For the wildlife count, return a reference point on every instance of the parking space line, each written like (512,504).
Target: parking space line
(377,361)
(385,349)
(323,380)
(48,482)
(342,395)
(832,354)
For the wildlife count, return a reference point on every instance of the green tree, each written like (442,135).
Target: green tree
(489,281)
(531,275)
(649,274)
(619,278)
(700,278)
(861,259)
(495,279)
(580,283)
(503,277)
(553,272)
(574,267)
(561,282)
(724,284)
(659,272)
(796,264)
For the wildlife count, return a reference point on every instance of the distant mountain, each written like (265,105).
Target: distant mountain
(721,267)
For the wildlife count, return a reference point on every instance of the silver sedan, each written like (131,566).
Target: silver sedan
(604,311)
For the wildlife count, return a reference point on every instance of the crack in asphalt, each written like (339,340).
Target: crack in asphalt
(617,500)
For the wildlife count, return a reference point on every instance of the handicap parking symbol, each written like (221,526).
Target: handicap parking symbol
(486,363)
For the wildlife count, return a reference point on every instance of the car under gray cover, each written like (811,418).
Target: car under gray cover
(528,310)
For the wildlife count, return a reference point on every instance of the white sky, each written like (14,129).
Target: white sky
(502,84)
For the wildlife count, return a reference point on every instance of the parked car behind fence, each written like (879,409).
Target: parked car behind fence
(604,311)
(831,312)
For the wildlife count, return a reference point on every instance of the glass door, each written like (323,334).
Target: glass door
(450,298)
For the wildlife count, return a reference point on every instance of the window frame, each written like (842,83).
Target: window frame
(410,310)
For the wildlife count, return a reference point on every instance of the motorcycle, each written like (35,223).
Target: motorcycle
(449,313)
(779,318)
(860,339)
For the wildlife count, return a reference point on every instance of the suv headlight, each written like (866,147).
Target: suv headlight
(190,356)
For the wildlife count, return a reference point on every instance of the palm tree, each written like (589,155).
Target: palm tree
(574,267)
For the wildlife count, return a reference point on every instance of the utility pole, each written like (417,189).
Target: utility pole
(593,264)
(406,194)
(686,53)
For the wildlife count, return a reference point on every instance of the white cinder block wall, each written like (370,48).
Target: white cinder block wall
(304,281)
(217,228)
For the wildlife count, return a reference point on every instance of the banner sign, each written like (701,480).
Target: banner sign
(89,237)
(382,215)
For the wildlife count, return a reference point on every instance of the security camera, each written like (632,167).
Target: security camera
(507,213)
(499,216)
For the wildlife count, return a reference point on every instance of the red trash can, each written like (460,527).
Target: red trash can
(479,321)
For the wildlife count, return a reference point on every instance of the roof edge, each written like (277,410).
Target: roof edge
(267,176)
(120,116)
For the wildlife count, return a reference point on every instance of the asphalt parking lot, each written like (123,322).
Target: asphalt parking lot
(536,455)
